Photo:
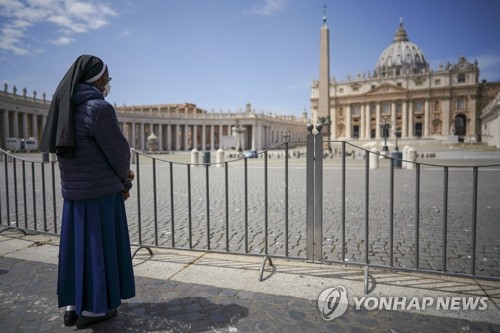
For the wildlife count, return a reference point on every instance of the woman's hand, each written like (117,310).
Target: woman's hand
(125,195)
(131,175)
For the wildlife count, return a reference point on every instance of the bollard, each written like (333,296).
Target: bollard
(220,157)
(405,156)
(374,158)
(206,157)
(194,157)
(411,157)
(397,156)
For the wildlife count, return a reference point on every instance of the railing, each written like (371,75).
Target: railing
(322,208)
(410,220)
(28,197)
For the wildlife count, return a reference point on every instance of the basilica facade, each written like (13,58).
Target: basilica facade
(402,94)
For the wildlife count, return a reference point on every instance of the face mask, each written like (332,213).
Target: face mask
(107,89)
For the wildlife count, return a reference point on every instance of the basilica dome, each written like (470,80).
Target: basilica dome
(402,56)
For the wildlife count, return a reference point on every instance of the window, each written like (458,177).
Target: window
(341,90)
(386,108)
(399,108)
(460,104)
(419,106)
(399,84)
(461,78)
(355,88)
(356,109)
(437,82)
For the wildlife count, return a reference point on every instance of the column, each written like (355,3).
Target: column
(410,120)
(195,137)
(25,133)
(134,136)
(34,126)
(254,136)
(186,137)
(333,126)
(377,122)
(362,122)
(348,117)
(220,136)
(404,129)
(15,124)
(393,120)
(169,137)
(143,137)
(160,137)
(177,138)
(445,117)
(5,126)
(368,111)
(426,118)
(212,134)
(203,137)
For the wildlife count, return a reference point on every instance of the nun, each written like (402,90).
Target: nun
(95,267)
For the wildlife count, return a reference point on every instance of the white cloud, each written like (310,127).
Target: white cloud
(63,40)
(268,8)
(70,16)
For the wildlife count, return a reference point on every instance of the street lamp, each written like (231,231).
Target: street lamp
(238,130)
(385,126)
(398,135)
(286,136)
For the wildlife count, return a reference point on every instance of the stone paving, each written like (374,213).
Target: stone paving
(28,304)
(175,221)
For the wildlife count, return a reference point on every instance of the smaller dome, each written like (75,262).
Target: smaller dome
(402,55)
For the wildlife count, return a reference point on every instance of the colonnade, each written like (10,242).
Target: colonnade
(21,124)
(186,136)
(24,118)
(411,117)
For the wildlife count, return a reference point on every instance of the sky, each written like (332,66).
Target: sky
(223,54)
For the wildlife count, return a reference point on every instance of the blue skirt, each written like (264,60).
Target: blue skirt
(95,264)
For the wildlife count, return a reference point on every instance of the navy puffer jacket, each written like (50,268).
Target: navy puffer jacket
(102,157)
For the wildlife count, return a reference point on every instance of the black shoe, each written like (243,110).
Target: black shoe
(84,321)
(70,318)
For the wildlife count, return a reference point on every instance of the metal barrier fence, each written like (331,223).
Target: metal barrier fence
(447,229)
(23,192)
(294,204)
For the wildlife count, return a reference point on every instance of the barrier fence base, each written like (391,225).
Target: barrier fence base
(266,258)
(142,247)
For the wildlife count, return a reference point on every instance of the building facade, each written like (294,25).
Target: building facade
(176,127)
(490,120)
(404,93)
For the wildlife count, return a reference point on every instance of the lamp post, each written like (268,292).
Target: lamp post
(385,126)
(398,135)
(286,136)
(238,130)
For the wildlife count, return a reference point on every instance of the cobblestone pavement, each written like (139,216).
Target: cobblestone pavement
(28,304)
(182,207)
